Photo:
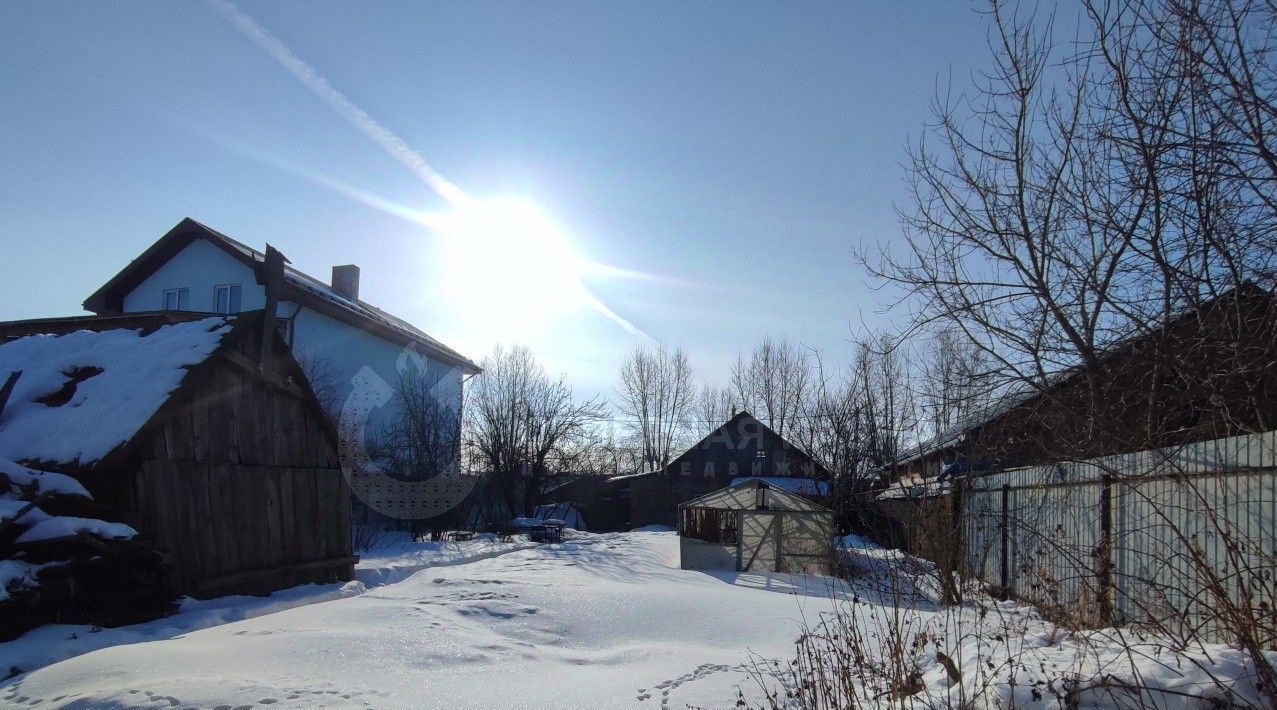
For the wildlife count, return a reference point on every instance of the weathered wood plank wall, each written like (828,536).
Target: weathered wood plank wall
(230,534)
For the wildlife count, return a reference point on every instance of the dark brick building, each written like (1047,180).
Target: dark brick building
(742,447)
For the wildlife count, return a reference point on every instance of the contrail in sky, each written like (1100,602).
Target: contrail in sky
(394,146)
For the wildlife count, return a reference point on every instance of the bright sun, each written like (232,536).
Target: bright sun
(511,262)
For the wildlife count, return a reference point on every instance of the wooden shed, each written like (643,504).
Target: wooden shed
(753,526)
(200,431)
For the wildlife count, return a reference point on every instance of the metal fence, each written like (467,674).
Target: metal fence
(1183,538)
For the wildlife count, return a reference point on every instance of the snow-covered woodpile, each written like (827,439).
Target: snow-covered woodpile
(64,557)
(150,455)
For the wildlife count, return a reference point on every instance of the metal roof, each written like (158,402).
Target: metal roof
(320,294)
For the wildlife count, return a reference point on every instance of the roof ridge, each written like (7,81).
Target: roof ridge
(296,278)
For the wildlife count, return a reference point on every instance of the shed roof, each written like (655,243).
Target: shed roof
(743,496)
(89,386)
(82,394)
(1021,393)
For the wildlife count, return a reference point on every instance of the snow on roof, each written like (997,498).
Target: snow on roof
(627,476)
(802,486)
(915,487)
(82,394)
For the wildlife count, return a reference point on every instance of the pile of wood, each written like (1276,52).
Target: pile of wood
(79,577)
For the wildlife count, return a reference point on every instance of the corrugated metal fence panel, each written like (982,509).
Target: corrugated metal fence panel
(1185,523)
(981,520)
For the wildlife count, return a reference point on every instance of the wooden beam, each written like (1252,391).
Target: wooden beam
(271,377)
(248,575)
(270,275)
(7,388)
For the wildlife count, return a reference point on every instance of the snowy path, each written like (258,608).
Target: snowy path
(606,621)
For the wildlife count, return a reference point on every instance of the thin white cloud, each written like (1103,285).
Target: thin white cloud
(393,145)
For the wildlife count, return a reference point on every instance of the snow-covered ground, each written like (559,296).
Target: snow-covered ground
(596,622)
(600,621)
(395,557)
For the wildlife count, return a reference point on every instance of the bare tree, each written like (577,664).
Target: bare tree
(773,382)
(714,405)
(524,427)
(423,440)
(608,456)
(323,382)
(1093,217)
(1077,198)
(881,373)
(954,382)
(832,427)
(656,396)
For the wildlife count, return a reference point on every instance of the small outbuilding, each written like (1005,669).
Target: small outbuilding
(754,526)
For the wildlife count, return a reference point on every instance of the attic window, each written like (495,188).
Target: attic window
(74,376)
(226,298)
(176,299)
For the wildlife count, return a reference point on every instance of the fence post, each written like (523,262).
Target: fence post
(958,547)
(1006,542)
(1104,552)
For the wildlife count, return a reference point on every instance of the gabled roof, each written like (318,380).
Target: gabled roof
(89,386)
(724,429)
(743,496)
(298,287)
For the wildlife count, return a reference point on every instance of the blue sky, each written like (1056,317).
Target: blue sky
(727,156)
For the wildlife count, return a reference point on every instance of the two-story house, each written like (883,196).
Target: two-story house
(195,268)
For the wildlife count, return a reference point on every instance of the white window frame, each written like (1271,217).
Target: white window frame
(181,296)
(230,310)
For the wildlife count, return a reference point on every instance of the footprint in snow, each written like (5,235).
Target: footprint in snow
(702,671)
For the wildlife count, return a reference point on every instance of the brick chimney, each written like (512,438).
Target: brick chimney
(346,281)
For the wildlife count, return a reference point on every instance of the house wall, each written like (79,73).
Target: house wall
(602,505)
(651,502)
(343,352)
(200,267)
(345,349)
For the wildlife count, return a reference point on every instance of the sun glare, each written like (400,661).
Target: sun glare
(511,262)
